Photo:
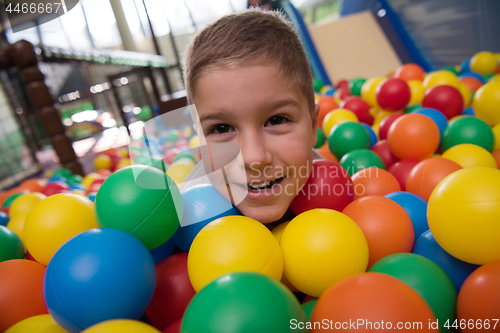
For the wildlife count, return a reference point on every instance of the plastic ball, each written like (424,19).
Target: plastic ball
(320,138)
(329,186)
(359,107)
(386,225)
(4,218)
(55,220)
(335,117)
(382,149)
(374,181)
(425,176)
(64,172)
(483,62)
(346,137)
(371,134)
(440,78)
(32,185)
(179,172)
(413,136)
(243,302)
(468,203)
(16,224)
(393,94)
(321,236)
(417,92)
(361,159)
(355,86)
(325,152)
(496,156)
(12,246)
(369,299)
(89,279)
(486,103)
(386,123)
(102,161)
(37,324)
(416,207)
(468,130)
(409,72)
(466,94)
(425,277)
(57,179)
(202,205)
(412,108)
(401,170)
(437,116)
(478,298)
(121,326)
(326,104)
(308,308)
(56,187)
(24,203)
(9,199)
(465,66)
(89,179)
(230,244)
(194,142)
(472,83)
(468,156)
(21,289)
(317,84)
(368,90)
(444,98)
(175,327)
(173,291)
(496,134)
(142,201)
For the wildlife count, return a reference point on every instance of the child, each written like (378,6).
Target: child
(249,78)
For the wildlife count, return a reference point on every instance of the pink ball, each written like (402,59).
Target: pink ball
(393,94)
(446,99)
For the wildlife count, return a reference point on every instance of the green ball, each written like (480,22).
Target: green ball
(243,302)
(184,155)
(450,69)
(11,246)
(412,108)
(74,179)
(468,130)
(317,84)
(9,200)
(64,172)
(355,86)
(360,159)
(346,137)
(308,308)
(321,138)
(486,78)
(142,201)
(426,277)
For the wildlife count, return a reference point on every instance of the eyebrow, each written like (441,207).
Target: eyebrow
(275,105)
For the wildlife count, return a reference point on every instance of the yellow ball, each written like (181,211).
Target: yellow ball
(121,326)
(233,244)
(495,78)
(194,142)
(470,156)
(184,161)
(496,133)
(89,179)
(465,92)
(25,202)
(278,232)
(324,89)
(381,115)
(486,103)
(368,90)
(54,221)
(122,152)
(417,91)
(337,116)
(16,224)
(37,324)
(179,172)
(124,162)
(439,78)
(483,62)
(321,247)
(463,214)
(102,161)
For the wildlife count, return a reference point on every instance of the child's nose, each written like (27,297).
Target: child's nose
(256,154)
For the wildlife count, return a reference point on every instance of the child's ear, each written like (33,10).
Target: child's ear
(315,116)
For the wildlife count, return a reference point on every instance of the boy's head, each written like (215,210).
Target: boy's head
(251,82)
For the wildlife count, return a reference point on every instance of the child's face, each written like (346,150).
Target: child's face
(269,119)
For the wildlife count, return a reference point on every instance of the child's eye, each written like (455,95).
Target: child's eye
(277,120)
(220,129)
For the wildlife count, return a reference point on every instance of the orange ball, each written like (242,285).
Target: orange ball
(326,104)
(425,176)
(21,291)
(410,72)
(324,151)
(496,156)
(386,225)
(32,185)
(479,298)
(374,181)
(472,83)
(413,136)
(372,298)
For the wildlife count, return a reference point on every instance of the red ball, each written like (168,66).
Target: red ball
(96,184)
(386,123)
(446,99)
(115,159)
(360,108)
(173,291)
(329,186)
(342,83)
(401,170)
(342,92)
(175,327)
(56,188)
(170,155)
(393,94)
(382,149)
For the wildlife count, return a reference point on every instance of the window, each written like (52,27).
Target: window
(102,23)
(75,28)
(31,34)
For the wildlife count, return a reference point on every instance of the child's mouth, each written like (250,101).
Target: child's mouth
(266,186)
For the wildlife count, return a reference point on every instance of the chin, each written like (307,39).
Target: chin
(263,214)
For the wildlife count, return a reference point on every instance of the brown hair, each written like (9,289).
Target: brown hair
(239,39)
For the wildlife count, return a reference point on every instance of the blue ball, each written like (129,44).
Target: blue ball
(4,219)
(437,116)
(98,275)
(457,270)
(469,111)
(465,66)
(57,179)
(77,187)
(371,134)
(472,74)
(330,92)
(416,207)
(162,251)
(91,196)
(202,204)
